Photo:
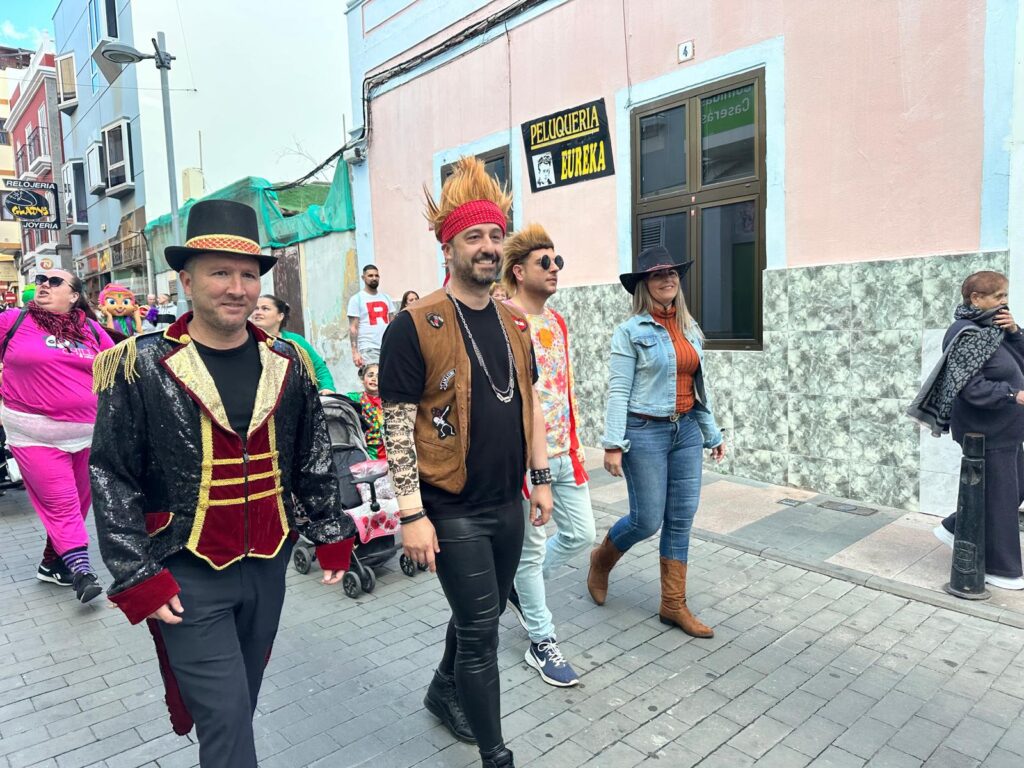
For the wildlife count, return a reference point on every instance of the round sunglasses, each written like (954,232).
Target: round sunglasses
(545,262)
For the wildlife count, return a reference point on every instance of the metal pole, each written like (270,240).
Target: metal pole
(163,63)
(967,573)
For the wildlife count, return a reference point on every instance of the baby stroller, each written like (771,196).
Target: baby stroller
(366,497)
(10,475)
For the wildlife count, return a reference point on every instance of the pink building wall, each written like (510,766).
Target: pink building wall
(883,128)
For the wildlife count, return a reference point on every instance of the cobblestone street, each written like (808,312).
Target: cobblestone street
(804,670)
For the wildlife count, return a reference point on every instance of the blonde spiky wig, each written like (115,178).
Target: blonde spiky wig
(470,196)
(517,248)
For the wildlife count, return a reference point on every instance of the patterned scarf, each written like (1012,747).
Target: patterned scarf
(968,351)
(64,326)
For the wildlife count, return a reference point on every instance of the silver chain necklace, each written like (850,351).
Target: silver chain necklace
(504,395)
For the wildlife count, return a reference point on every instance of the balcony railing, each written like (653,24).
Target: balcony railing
(21,161)
(129,252)
(38,145)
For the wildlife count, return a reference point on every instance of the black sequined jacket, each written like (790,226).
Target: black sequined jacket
(168,472)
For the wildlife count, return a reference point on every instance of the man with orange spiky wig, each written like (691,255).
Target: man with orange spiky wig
(462,424)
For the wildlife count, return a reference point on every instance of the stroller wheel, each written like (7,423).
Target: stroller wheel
(301,559)
(421,566)
(407,565)
(350,583)
(368,580)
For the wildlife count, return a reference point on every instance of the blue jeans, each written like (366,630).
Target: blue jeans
(663,471)
(576,531)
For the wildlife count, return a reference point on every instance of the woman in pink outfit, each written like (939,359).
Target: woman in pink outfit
(48,411)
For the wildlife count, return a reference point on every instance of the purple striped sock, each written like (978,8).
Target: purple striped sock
(77,560)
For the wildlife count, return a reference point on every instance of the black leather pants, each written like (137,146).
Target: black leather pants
(476,565)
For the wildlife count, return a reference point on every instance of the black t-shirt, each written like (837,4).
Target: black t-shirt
(495,462)
(236,372)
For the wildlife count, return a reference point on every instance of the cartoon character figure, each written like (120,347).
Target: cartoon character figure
(441,424)
(121,310)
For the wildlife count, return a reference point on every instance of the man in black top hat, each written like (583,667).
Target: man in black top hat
(197,531)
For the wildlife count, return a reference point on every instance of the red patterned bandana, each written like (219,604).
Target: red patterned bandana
(469,215)
(67,326)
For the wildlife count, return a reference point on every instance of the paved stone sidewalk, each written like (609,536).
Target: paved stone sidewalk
(804,670)
(890,549)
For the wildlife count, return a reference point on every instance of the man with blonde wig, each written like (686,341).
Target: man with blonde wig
(462,425)
(530,275)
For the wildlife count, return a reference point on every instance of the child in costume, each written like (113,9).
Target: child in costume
(369,406)
(120,309)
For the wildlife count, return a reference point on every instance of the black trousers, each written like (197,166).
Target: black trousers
(476,565)
(1004,492)
(219,650)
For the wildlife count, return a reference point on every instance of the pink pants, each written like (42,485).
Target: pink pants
(58,486)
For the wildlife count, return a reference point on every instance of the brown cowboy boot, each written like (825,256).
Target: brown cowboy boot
(673,600)
(602,560)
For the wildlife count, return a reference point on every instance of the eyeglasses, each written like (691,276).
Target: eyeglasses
(53,281)
(545,262)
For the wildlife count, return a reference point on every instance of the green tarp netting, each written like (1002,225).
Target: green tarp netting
(321,208)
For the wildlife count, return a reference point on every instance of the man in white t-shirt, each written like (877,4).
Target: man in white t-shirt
(369,313)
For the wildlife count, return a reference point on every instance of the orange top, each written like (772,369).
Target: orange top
(687,361)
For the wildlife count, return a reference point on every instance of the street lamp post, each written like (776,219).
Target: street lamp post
(119,53)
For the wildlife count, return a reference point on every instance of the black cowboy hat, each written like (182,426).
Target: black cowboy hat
(220,226)
(653,259)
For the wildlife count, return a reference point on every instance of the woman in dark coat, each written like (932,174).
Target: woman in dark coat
(984,347)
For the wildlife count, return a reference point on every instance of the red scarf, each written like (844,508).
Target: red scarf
(64,326)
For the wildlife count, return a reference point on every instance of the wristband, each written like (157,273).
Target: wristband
(413,517)
(540,476)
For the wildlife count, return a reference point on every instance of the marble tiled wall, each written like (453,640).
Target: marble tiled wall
(822,405)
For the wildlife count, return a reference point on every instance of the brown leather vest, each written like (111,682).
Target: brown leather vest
(443,415)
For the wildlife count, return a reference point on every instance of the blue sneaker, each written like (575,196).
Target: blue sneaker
(515,607)
(551,664)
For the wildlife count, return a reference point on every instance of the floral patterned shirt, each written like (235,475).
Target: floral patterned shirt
(553,379)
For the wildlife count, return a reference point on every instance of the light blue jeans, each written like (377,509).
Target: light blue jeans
(663,472)
(576,531)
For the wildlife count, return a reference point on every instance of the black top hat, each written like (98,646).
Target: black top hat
(653,259)
(220,226)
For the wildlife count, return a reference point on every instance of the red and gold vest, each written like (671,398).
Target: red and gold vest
(240,509)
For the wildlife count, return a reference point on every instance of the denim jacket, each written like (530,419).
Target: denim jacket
(642,379)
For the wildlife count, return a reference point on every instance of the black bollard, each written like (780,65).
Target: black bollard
(967,574)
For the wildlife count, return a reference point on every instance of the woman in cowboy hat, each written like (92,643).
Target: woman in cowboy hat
(658,422)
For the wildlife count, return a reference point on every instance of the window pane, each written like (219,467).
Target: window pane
(727,135)
(66,79)
(728,270)
(115,146)
(663,152)
(111,15)
(497,168)
(94,23)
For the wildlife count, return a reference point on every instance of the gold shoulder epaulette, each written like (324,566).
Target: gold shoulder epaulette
(307,361)
(106,364)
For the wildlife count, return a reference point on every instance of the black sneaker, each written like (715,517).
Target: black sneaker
(56,572)
(515,607)
(86,587)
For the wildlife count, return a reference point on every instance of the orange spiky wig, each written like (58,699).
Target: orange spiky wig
(470,196)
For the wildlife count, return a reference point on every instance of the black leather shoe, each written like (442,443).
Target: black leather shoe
(442,702)
(498,758)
